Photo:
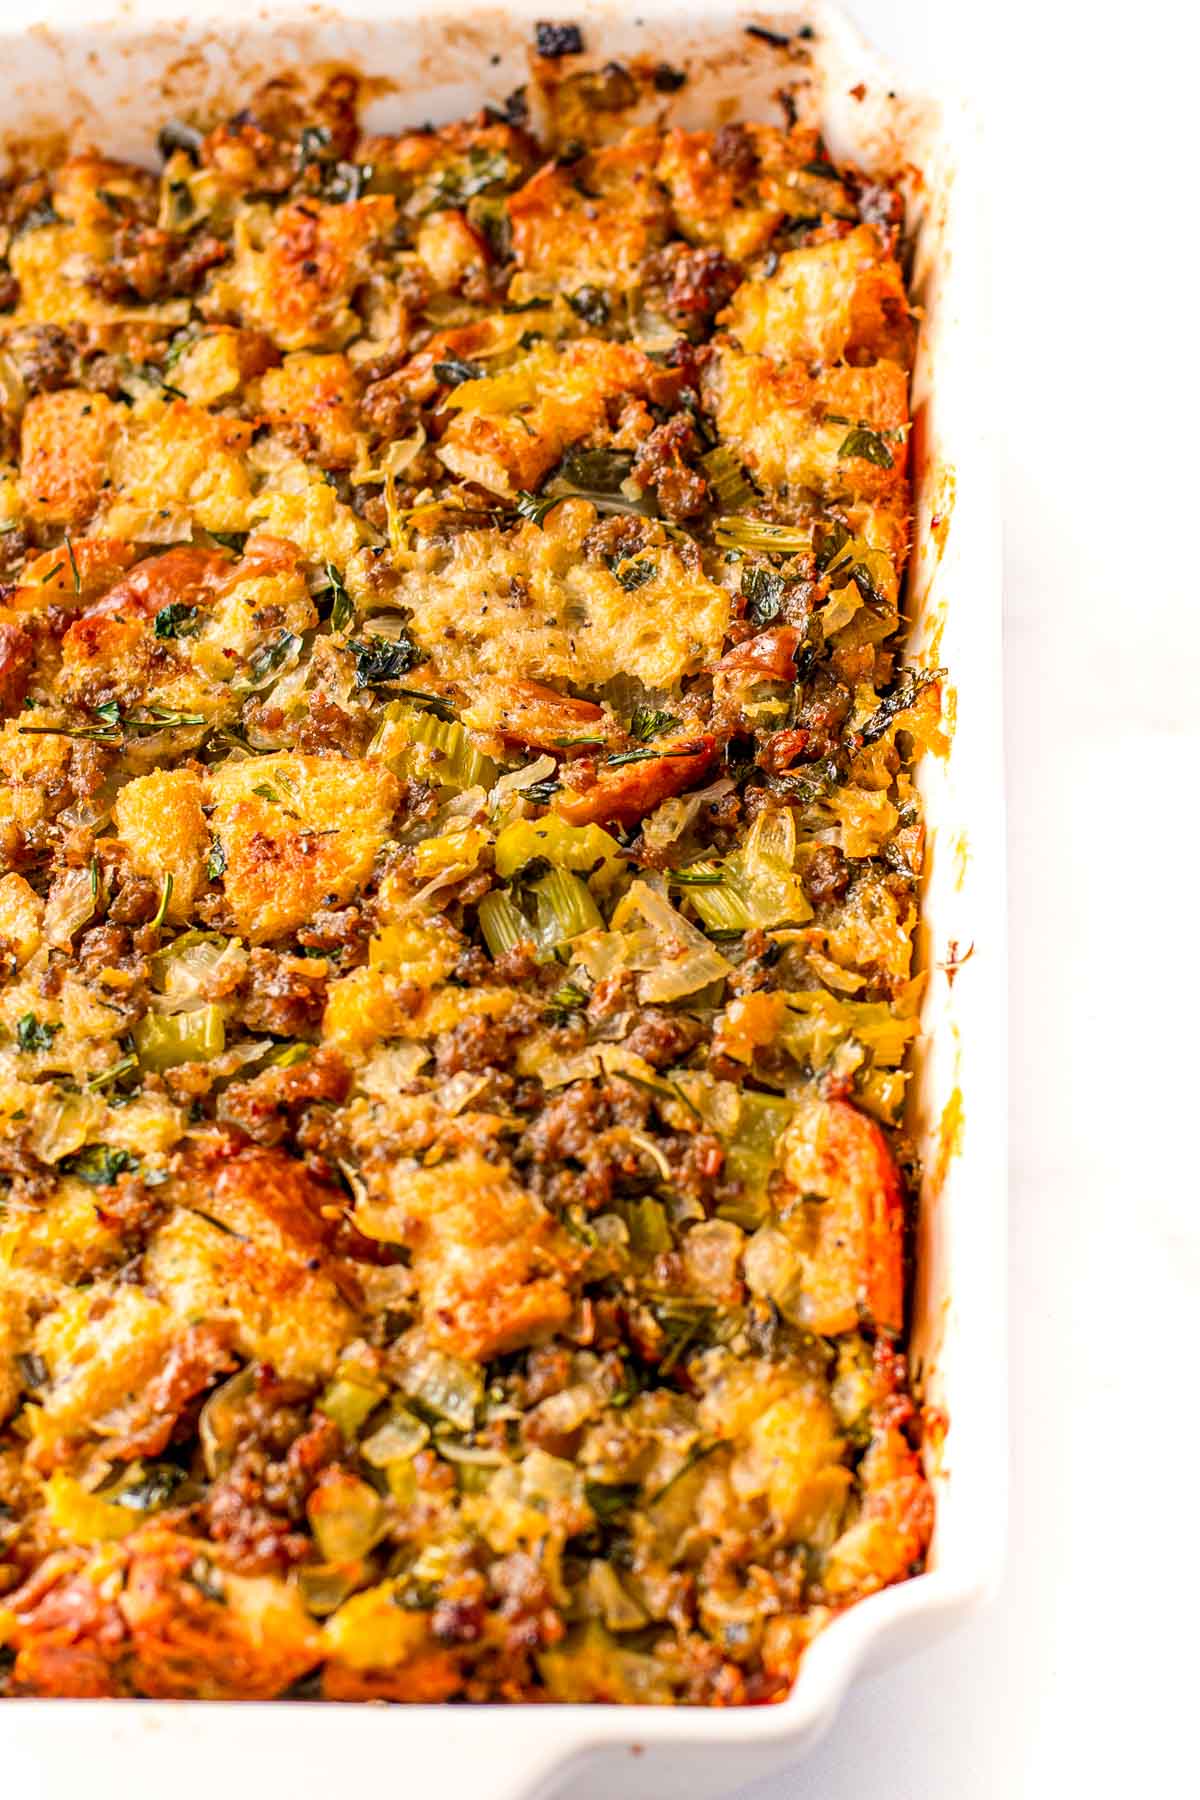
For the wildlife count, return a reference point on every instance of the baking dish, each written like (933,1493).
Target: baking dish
(110,83)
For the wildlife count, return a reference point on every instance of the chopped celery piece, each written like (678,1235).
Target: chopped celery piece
(733,533)
(163,1042)
(503,927)
(649,1232)
(758,885)
(719,905)
(817,1023)
(445,1385)
(350,1403)
(586,849)
(727,479)
(417,743)
(751,1154)
(565,908)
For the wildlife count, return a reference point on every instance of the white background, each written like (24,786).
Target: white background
(1082,1679)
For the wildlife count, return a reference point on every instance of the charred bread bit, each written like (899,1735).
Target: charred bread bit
(458,865)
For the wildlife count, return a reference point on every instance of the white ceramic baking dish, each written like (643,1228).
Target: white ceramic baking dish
(106,73)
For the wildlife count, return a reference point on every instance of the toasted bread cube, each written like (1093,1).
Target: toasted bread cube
(493,1266)
(21,911)
(247,1640)
(160,821)
(279,1308)
(841,435)
(314,393)
(220,362)
(299,833)
(841,300)
(179,465)
(593,225)
(298,286)
(66,441)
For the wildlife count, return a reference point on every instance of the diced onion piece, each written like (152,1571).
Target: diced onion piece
(71,904)
(689,961)
(517,780)
(219,1418)
(619,1610)
(346,1515)
(445,1385)
(400,1436)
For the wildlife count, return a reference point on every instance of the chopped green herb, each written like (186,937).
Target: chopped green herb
(268,659)
(668,80)
(382,660)
(176,620)
(51,573)
(554,40)
(115,1072)
(33,1035)
(908,686)
(230,540)
(485,169)
(764,589)
(533,508)
(434,703)
(34,1370)
(564,1001)
(100,1164)
(454,371)
(636,756)
(867,444)
(602,471)
(182,341)
(341,616)
(216,865)
(541,792)
(153,1491)
(176,135)
(74,565)
(591,304)
(609,1502)
(649,723)
(164,902)
(633,575)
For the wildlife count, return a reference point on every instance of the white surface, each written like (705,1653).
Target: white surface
(1081,1679)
